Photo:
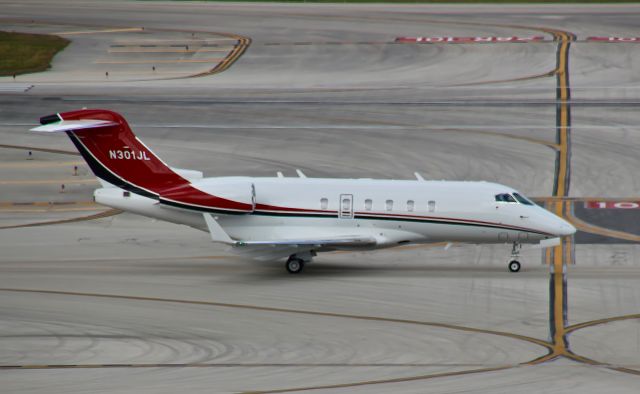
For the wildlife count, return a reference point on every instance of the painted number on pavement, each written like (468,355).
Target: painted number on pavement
(612,204)
(614,39)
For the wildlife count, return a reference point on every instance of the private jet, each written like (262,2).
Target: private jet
(295,218)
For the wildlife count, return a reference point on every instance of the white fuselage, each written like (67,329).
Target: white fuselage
(392,212)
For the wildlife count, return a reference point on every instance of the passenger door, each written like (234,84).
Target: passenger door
(346,206)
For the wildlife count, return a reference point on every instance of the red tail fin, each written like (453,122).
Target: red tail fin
(117,156)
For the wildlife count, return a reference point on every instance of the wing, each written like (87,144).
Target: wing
(277,248)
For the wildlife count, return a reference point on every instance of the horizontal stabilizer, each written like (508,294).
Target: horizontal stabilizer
(70,125)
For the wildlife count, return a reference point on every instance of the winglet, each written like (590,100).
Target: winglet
(217,232)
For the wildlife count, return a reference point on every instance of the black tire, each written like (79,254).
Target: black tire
(294,265)
(514,266)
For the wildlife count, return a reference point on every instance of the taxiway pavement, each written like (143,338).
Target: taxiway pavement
(96,301)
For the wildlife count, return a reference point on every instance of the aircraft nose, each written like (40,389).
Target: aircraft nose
(565,229)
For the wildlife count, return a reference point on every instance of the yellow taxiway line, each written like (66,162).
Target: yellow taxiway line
(238,50)
(454,327)
(601,321)
(559,256)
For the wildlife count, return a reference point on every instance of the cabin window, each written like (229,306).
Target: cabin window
(368,204)
(389,205)
(505,197)
(410,205)
(432,206)
(324,203)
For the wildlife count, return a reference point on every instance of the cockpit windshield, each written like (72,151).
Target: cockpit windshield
(522,199)
(505,197)
(515,198)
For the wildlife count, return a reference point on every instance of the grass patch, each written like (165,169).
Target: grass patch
(22,53)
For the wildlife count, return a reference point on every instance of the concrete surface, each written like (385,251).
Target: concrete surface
(95,301)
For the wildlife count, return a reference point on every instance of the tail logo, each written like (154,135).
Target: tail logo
(128,155)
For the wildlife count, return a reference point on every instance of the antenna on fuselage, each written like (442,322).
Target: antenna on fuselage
(280,174)
(300,173)
(418,176)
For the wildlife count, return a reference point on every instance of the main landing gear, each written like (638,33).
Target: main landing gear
(514,264)
(295,263)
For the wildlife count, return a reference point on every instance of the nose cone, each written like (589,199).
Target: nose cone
(564,228)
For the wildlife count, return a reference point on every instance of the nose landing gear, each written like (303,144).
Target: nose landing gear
(514,264)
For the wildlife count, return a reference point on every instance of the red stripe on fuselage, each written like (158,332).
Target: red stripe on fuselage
(190,195)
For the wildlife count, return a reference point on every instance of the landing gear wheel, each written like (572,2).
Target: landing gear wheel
(295,265)
(514,266)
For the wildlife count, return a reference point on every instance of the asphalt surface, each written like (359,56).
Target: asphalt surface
(93,300)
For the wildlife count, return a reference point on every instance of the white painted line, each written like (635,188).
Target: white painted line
(68,33)
(158,61)
(184,40)
(14,87)
(167,50)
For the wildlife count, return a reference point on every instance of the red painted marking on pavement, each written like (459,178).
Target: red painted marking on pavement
(612,204)
(469,40)
(614,39)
